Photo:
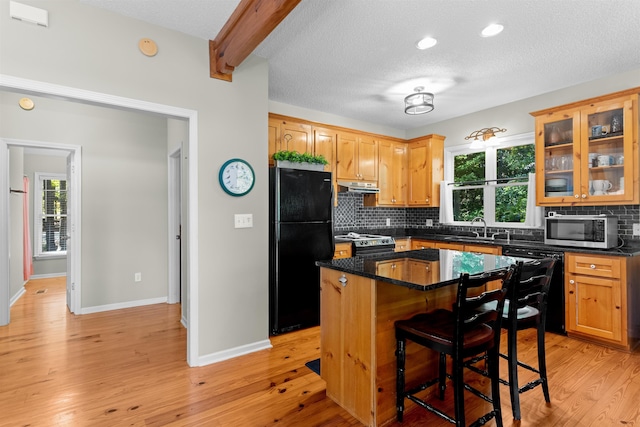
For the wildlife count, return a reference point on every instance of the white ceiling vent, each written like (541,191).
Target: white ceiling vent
(23,12)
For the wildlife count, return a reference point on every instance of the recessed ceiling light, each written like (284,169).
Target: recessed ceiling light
(426,43)
(492,30)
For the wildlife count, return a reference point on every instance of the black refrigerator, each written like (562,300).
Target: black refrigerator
(300,233)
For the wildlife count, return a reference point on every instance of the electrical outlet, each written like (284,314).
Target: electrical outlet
(429,223)
(636,229)
(137,277)
(388,221)
(243,220)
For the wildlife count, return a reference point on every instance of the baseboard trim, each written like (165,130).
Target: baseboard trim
(233,352)
(121,305)
(47,276)
(17,296)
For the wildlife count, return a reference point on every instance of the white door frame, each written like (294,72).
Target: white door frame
(175,190)
(74,153)
(17,84)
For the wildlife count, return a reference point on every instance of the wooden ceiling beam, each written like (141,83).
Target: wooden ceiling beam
(249,24)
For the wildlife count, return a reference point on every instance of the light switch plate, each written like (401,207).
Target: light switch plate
(243,220)
(429,223)
(636,229)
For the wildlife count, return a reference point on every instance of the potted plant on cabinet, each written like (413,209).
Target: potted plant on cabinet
(295,160)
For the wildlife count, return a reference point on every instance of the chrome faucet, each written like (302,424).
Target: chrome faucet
(479,218)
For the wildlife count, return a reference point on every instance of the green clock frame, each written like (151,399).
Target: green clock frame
(239,187)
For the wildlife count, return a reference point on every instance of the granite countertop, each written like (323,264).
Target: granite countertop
(628,249)
(445,265)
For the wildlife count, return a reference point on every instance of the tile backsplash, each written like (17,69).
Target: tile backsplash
(351,214)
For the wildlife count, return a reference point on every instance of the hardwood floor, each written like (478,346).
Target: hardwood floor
(128,368)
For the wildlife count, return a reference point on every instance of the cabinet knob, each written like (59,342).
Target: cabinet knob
(576,196)
(584,196)
(593,266)
(572,281)
(343,280)
(571,292)
(393,266)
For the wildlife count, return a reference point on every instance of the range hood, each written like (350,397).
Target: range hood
(367,187)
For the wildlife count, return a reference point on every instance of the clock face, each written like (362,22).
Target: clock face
(236,177)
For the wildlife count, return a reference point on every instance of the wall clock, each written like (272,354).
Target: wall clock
(236,177)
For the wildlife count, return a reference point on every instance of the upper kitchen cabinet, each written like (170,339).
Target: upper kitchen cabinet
(324,144)
(285,134)
(303,137)
(392,175)
(425,170)
(356,157)
(587,152)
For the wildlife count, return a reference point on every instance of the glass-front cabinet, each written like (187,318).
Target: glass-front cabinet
(587,153)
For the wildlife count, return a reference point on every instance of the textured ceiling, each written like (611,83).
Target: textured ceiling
(357,58)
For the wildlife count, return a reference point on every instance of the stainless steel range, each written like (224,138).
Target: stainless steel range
(368,243)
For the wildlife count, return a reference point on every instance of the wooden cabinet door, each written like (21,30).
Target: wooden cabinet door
(274,138)
(385,173)
(417,244)
(391,269)
(346,156)
(367,159)
(418,156)
(481,249)
(324,143)
(392,179)
(402,245)
(426,157)
(596,296)
(296,137)
(343,250)
(595,306)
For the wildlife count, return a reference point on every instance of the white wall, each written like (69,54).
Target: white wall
(91,49)
(45,164)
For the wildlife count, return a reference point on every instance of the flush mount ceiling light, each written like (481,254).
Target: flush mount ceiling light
(426,43)
(492,30)
(484,137)
(419,102)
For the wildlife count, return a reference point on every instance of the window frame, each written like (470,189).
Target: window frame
(39,178)
(491,173)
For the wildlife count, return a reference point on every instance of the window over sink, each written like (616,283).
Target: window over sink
(491,183)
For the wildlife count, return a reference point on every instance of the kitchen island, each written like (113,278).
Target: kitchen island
(361,298)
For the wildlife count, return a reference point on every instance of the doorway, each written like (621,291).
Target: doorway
(15,84)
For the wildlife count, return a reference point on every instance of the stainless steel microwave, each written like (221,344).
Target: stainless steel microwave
(585,231)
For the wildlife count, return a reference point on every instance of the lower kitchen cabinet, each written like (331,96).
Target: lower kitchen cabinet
(343,250)
(597,295)
(403,245)
(422,244)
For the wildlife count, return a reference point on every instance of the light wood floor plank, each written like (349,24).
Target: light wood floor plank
(128,368)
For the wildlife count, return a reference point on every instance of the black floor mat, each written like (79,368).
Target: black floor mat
(314,365)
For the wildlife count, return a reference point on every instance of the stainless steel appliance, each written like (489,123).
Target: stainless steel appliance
(368,243)
(555,304)
(300,233)
(585,231)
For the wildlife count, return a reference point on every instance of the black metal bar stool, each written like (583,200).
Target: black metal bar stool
(466,331)
(525,308)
